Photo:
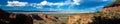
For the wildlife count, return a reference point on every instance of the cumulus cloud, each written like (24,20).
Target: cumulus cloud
(76,2)
(16,3)
(39,5)
(105,0)
(43,3)
(60,3)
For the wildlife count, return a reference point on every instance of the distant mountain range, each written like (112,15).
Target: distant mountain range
(27,11)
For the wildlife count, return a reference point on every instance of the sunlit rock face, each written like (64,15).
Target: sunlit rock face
(54,6)
(11,18)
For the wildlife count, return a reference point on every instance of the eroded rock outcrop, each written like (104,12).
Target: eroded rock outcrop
(108,15)
(80,19)
(10,18)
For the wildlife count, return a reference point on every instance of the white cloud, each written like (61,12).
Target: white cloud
(41,4)
(49,3)
(76,2)
(105,0)
(16,3)
(60,3)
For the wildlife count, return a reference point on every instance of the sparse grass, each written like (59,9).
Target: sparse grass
(77,22)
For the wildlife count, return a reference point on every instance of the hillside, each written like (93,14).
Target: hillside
(108,15)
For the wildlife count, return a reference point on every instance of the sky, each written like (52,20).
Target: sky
(55,5)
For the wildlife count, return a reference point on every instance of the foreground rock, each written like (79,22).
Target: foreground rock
(80,19)
(108,15)
(11,18)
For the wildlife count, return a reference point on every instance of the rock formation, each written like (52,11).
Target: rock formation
(10,18)
(108,15)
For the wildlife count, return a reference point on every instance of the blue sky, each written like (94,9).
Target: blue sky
(55,5)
